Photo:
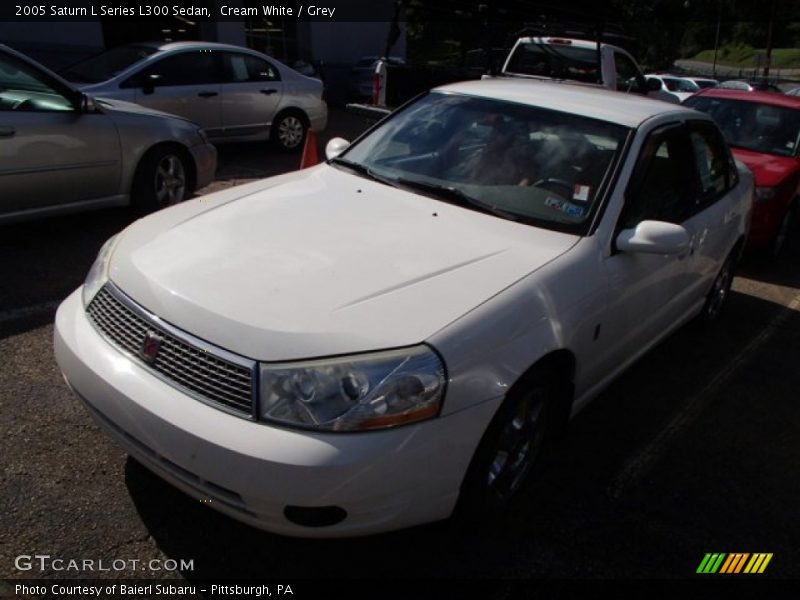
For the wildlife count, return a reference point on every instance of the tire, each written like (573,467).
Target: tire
(289,131)
(161,180)
(719,292)
(510,451)
(786,227)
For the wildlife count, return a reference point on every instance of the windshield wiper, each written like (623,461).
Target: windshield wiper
(456,196)
(362,170)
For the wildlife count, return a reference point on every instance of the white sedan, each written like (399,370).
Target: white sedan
(384,339)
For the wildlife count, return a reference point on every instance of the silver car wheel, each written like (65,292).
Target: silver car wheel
(290,132)
(170,180)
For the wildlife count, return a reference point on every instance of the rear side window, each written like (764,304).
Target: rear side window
(557,61)
(711,161)
(241,68)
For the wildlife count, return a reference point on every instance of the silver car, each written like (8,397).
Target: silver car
(234,93)
(61,151)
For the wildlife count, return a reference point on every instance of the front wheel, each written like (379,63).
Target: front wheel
(161,180)
(509,452)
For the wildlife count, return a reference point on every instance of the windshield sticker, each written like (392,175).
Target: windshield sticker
(581,192)
(568,208)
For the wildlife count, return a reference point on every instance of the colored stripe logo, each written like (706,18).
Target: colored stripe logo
(737,562)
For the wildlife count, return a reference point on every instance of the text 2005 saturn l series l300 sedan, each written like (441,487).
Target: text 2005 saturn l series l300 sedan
(384,339)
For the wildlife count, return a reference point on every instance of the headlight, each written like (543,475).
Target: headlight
(370,391)
(98,274)
(764,194)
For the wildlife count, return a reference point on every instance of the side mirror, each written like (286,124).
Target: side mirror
(335,147)
(653,85)
(653,237)
(88,105)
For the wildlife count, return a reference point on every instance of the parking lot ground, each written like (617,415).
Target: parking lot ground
(693,450)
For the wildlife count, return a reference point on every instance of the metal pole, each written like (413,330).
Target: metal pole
(768,59)
(716,42)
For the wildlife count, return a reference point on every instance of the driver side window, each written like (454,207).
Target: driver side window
(662,185)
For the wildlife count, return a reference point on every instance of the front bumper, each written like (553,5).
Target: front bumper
(251,471)
(205,161)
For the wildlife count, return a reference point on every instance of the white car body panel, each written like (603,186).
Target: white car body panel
(300,292)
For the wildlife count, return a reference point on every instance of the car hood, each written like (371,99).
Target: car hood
(111,106)
(322,262)
(768,170)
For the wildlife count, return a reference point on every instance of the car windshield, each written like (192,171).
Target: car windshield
(106,65)
(556,61)
(680,85)
(753,126)
(516,161)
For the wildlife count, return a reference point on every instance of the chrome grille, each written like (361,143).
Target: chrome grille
(210,373)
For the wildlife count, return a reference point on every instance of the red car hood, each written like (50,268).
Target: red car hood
(769,170)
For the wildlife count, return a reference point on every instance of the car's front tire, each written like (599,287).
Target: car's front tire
(511,449)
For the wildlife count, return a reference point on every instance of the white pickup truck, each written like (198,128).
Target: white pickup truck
(577,60)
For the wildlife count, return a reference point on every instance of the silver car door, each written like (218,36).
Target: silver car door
(251,94)
(51,151)
(186,84)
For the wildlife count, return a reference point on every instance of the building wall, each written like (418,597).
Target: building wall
(53,44)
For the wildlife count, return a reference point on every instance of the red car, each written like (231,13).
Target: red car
(763,130)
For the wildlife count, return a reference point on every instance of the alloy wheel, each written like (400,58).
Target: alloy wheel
(170,181)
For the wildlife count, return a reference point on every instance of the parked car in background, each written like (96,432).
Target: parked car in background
(362,73)
(763,129)
(234,93)
(63,152)
(377,341)
(577,60)
(794,92)
(750,86)
(678,87)
(703,82)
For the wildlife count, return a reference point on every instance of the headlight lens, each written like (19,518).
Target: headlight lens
(370,391)
(764,194)
(98,274)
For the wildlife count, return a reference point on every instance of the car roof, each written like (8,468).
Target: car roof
(192,44)
(590,101)
(758,97)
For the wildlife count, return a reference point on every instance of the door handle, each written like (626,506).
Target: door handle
(7,131)
(269,91)
(208,94)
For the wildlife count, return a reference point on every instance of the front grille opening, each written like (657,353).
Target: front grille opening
(180,361)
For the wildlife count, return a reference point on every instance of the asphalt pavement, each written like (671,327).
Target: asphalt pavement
(693,450)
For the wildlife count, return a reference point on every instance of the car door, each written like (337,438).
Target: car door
(51,151)
(251,94)
(713,226)
(646,291)
(187,84)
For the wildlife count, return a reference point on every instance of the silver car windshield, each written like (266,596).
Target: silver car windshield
(517,161)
